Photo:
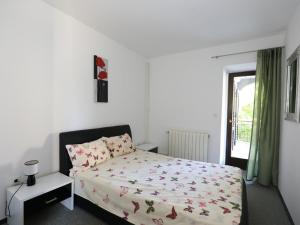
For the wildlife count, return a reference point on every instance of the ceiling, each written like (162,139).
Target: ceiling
(159,27)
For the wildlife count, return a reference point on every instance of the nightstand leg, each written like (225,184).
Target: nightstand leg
(16,212)
(69,202)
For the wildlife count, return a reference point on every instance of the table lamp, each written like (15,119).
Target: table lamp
(31,168)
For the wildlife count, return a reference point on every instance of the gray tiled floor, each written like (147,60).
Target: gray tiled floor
(265,206)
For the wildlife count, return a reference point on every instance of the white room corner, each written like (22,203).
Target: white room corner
(173,107)
(106,69)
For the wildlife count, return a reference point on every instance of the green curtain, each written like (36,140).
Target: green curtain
(264,146)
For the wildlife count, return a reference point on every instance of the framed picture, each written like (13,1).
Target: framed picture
(292,102)
(101,78)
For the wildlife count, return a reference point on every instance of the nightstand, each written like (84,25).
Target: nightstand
(148,147)
(48,190)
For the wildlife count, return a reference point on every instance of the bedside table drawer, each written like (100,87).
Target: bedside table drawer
(48,198)
(154,150)
(148,148)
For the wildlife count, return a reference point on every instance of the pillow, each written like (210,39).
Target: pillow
(89,154)
(119,145)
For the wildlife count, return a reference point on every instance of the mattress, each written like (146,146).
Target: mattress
(148,188)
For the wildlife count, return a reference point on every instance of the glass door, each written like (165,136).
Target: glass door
(241,89)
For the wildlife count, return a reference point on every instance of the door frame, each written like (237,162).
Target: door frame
(241,163)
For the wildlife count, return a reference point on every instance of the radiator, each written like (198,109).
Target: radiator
(188,144)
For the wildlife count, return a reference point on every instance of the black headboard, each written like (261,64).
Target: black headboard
(82,136)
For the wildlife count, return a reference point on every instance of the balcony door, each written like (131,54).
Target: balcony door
(241,89)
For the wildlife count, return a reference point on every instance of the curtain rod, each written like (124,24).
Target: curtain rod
(239,53)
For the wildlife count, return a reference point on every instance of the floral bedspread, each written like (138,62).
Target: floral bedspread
(147,188)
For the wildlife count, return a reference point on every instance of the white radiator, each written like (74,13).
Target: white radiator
(188,144)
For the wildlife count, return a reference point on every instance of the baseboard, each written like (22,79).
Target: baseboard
(285,207)
(3,221)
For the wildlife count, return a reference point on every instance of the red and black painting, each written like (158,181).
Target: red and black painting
(100,75)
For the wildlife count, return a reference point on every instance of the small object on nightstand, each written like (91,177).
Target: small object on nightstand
(48,190)
(31,169)
(148,147)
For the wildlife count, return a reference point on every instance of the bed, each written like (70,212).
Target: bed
(148,188)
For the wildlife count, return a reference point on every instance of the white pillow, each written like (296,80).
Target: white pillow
(88,155)
(119,145)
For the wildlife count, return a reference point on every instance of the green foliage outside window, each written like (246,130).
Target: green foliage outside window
(244,124)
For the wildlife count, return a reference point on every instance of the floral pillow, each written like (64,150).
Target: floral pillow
(119,145)
(89,154)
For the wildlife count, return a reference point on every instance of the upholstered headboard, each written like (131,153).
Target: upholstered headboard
(82,136)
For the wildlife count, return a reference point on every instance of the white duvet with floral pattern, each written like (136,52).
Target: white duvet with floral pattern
(153,189)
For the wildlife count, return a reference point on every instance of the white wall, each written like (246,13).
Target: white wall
(289,177)
(186,90)
(46,85)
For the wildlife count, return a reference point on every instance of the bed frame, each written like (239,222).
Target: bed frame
(82,136)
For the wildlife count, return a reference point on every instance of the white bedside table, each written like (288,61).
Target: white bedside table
(48,190)
(148,147)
